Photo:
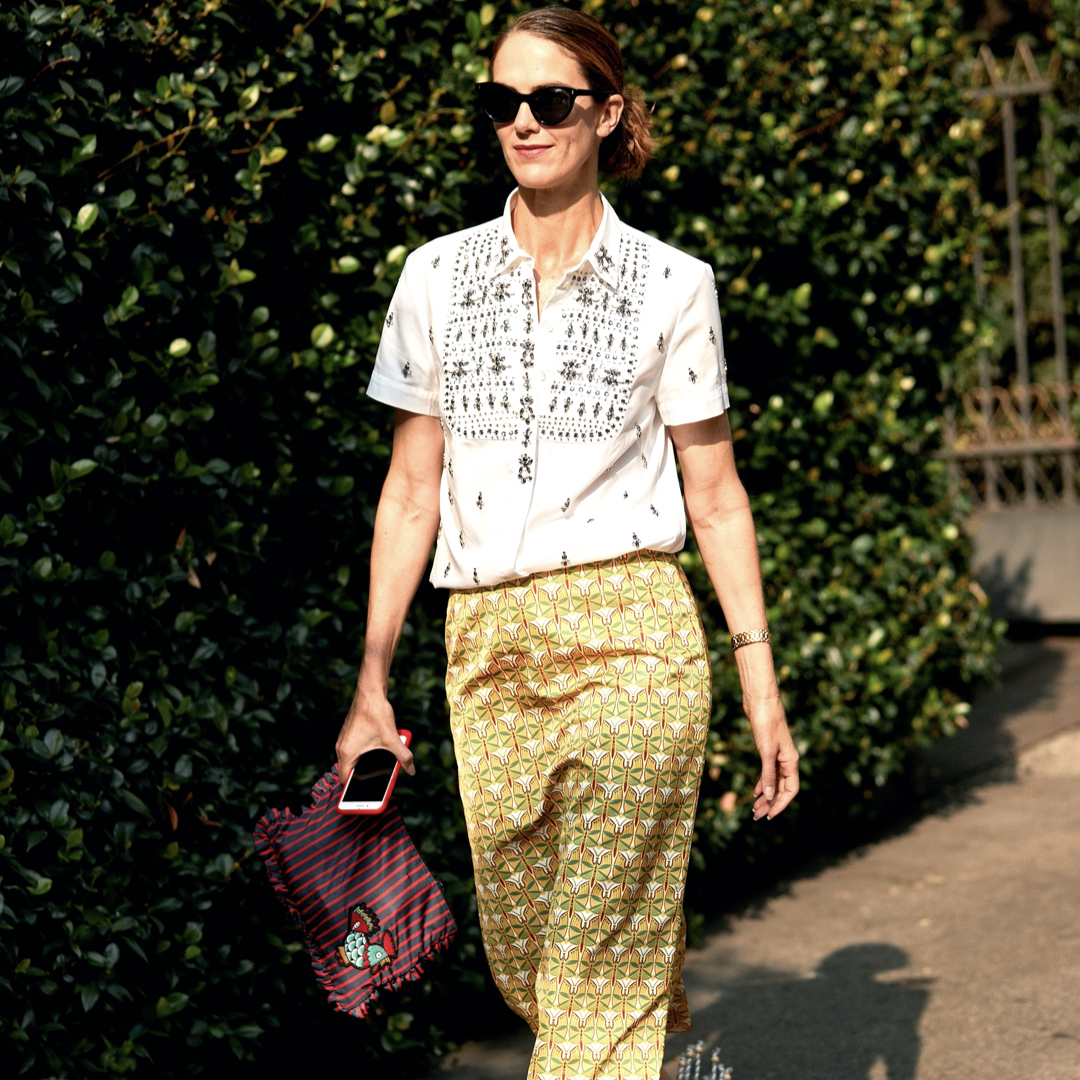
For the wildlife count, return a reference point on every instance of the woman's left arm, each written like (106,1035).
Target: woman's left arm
(719,512)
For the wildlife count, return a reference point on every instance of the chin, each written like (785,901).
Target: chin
(542,175)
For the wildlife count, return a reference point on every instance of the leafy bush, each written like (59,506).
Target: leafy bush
(208,205)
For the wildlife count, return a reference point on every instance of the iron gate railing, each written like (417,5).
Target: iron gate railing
(1018,445)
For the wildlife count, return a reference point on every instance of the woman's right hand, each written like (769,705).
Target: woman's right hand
(370,725)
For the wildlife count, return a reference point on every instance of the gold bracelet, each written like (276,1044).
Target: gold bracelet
(749,637)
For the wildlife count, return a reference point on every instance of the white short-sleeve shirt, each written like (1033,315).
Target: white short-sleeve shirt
(557,451)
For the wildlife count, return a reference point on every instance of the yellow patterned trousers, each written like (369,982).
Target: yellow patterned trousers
(579,705)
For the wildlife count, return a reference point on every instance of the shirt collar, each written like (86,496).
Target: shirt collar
(600,258)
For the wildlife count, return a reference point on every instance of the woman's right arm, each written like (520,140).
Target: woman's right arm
(406,522)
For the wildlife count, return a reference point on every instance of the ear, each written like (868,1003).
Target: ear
(610,114)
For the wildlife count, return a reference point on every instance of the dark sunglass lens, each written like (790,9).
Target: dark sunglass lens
(551,105)
(499,102)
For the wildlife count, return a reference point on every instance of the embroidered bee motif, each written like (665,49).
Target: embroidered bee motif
(390,319)
(406,369)
(475,576)
(693,375)
(712,335)
(656,513)
(565,560)
(431,335)
(660,342)
(667,271)
(502,291)
(637,542)
(450,467)
(525,464)
(566,505)
(435,262)
(480,501)
(603,259)
(461,539)
(625,495)
(644,462)
(637,428)
(446,572)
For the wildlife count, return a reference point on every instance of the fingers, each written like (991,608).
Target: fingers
(403,754)
(765,788)
(785,778)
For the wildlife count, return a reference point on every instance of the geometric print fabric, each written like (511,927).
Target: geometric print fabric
(579,702)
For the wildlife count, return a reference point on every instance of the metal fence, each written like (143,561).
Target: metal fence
(1017,445)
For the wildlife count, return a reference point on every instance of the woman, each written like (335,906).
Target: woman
(542,366)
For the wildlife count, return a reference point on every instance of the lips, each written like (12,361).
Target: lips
(529,151)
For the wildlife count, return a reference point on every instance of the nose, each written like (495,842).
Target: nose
(525,121)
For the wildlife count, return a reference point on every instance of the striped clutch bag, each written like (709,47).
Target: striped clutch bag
(370,911)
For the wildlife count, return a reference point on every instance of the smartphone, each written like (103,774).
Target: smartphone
(372,780)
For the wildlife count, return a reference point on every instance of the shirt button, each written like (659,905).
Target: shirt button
(549,328)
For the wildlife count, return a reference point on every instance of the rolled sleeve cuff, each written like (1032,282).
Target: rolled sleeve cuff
(402,396)
(700,407)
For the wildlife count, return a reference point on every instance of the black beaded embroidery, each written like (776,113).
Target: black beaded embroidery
(486,344)
(597,350)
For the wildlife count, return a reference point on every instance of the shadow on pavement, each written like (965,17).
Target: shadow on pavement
(836,1025)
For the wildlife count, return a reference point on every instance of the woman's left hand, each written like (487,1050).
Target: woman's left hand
(779,781)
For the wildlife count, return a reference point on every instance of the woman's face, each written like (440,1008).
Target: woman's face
(561,155)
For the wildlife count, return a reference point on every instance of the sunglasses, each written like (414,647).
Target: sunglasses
(549,105)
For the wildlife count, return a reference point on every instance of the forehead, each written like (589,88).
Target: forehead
(526,61)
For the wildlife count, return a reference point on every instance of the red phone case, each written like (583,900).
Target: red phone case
(406,738)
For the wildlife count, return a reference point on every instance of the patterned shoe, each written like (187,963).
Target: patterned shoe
(695,1060)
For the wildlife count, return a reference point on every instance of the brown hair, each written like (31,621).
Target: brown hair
(625,151)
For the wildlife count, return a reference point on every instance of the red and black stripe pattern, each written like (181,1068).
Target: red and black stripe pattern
(370,911)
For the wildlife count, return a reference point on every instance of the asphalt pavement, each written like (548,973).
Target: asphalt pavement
(949,950)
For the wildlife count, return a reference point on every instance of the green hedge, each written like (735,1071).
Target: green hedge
(206,208)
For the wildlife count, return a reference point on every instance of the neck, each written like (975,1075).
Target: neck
(556,227)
